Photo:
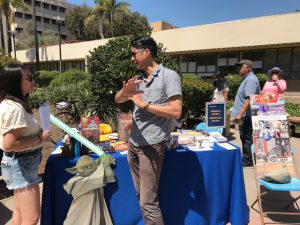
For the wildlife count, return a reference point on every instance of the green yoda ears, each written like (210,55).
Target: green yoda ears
(86,165)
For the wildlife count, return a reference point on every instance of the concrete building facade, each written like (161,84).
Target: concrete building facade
(268,41)
(47,13)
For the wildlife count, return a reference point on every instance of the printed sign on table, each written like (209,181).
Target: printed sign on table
(215,114)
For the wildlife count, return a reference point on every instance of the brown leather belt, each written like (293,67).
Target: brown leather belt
(21,154)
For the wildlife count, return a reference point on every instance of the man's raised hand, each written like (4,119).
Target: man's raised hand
(130,87)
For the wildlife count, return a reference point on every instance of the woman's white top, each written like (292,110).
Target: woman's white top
(219,95)
(14,116)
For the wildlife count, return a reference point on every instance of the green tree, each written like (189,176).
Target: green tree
(130,24)
(111,7)
(48,37)
(106,9)
(5,59)
(110,64)
(5,10)
(25,39)
(74,20)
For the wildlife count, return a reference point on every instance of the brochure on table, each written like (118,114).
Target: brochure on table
(270,134)
(197,141)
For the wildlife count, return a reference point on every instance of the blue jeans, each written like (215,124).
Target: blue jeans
(247,140)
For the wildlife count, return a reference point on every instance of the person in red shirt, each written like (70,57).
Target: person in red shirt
(275,86)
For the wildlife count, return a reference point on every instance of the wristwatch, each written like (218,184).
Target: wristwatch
(146,106)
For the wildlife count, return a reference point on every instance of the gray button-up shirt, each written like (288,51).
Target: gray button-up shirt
(249,86)
(147,128)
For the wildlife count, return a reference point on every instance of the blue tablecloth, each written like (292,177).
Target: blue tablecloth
(196,188)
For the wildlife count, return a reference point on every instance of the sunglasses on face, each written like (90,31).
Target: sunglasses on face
(133,53)
(275,72)
(29,78)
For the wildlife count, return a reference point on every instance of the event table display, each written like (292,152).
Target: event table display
(196,187)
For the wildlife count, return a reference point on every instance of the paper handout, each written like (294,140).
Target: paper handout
(45,117)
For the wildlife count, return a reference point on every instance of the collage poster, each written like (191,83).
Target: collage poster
(270,134)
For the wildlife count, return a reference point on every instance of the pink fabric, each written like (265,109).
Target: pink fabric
(272,87)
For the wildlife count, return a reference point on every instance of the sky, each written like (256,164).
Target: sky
(184,13)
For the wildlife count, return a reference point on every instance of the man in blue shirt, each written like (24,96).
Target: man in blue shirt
(241,112)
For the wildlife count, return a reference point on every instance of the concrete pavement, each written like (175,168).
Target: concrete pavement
(6,205)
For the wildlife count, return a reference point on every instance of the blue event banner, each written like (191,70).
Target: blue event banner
(215,114)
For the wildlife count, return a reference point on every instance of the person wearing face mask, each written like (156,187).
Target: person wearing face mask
(275,86)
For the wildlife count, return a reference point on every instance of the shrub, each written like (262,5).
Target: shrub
(69,77)
(293,109)
(262,78)
(44,77)
(5,59)
(196,92)
(234,81)
(37,97)
(110,64)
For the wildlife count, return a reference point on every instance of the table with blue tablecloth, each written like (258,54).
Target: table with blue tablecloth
(196,188)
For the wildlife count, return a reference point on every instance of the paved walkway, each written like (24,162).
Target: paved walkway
(6,205)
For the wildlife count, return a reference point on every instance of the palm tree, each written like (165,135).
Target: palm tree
(97,14)
(108,8)
(7,17)
(5,11)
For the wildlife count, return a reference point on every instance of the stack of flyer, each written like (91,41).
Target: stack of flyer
(218,137)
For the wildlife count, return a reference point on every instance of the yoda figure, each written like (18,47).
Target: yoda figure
(88,206)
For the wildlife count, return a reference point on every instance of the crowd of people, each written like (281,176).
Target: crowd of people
(157,97)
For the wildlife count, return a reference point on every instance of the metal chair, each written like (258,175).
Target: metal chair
(294,185)
(202,126)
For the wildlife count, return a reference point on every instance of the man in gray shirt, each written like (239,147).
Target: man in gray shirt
(241,111)
(157,99)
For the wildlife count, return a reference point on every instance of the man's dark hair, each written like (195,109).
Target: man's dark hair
(10,85)
(145,42)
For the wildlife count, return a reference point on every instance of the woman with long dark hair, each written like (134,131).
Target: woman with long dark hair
(21,140)
(220,88)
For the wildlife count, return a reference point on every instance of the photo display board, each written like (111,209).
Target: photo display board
(270,134)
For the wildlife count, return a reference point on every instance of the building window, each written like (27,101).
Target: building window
(37,4)
(62,23)
(39,32)
(269,59)
(46,5)
(18,15)
(46,20)
(53,21)
(256,57)
(27,2)
(206,64)
(284,59)
(62,10)
(64,37)
(19,30)
(226,62)
(28,16)
(54,7)
(296,60)
(38,19)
